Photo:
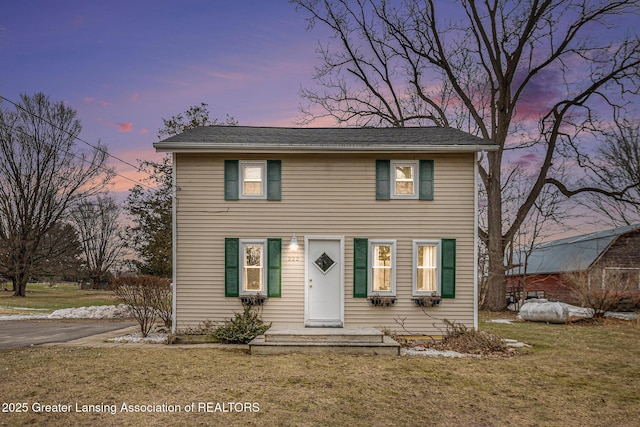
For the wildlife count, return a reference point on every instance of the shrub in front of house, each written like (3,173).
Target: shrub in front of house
(148,297)
(242,328)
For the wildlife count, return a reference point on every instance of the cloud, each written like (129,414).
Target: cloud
(92,100)
(143,131)
(135,96)
(124,127)
(527,160)
(542,91)
(528,163)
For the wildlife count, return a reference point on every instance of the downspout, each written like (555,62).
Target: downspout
(475,241)
(174,242)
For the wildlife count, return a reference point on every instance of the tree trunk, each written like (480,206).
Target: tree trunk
(496,283)
(20,286)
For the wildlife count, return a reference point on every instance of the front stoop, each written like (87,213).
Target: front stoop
(281,339)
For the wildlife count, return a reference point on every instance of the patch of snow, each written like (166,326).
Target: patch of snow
(415,351)
(94,312)
(501,321)
(514,343)
(23,316)
(622,316)
(152,338)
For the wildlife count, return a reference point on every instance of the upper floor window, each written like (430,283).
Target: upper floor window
(252,178)
(405,183)
(404,179)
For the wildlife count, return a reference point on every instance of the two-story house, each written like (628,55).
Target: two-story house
(332,226)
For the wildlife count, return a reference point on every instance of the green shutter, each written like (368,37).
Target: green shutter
(231,173)
(360,267)
(426,180)
(448,261)
(274,186)
(231,267)
(274,267)
(383,179)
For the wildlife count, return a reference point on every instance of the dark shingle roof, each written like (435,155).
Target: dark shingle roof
(273,139)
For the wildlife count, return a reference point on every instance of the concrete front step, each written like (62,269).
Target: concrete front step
(293,334)
(281,339)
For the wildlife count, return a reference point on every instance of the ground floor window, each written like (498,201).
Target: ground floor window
(252,267)
(374,268)
(252,272)
(426,258)
(383,267)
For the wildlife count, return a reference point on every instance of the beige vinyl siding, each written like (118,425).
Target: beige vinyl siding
(322,195)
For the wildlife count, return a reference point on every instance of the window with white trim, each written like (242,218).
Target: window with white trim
(382,265)
(253,179)
(252,273)
(426,259)
(404,177)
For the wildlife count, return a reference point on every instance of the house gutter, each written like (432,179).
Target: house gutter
(199,147)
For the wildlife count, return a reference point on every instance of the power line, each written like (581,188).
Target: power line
(104,168)
(137,168)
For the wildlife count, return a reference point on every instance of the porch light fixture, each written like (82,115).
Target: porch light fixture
(293,243)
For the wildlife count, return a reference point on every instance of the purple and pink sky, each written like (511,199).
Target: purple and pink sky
(124,65)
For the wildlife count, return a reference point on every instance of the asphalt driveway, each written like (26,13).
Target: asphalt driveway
(24,333)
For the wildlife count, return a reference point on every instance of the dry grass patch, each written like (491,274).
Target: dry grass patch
(574,375)
(44,298)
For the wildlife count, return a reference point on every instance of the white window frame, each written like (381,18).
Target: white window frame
(263,262)
(370,291)
(415,164)
(263,166)
(426,242)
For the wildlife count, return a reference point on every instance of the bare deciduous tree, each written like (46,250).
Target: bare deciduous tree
(42,175)
(150,209)
(56,258)
(58,255)
(616,165)
(196,115)
(99,229)
(148,298)
(605,288)
(529,75)
(548,213)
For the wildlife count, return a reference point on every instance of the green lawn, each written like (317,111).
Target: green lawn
(44,298)
(581,374)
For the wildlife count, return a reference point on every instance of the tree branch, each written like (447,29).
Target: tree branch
(617,195)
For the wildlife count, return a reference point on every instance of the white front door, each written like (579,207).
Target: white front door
(324,281)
